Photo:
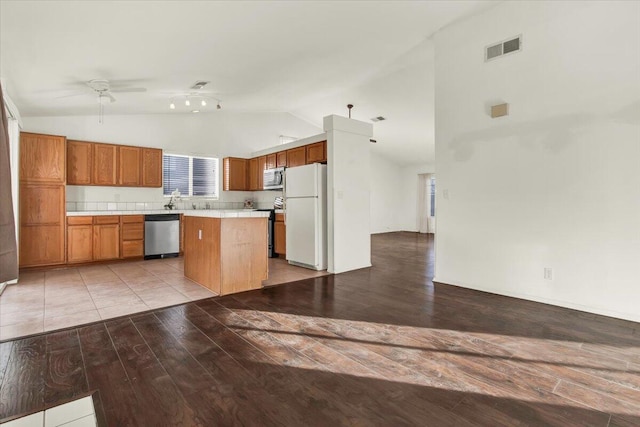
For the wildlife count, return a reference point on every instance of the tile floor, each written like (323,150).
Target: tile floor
(78,413)
(60,298)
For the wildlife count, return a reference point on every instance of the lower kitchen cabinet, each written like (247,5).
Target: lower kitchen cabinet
(132,235)
(106,241)
(280,235)
(79,239)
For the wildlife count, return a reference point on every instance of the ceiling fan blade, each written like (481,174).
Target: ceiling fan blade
(129,90)
(72,95)
(111,97)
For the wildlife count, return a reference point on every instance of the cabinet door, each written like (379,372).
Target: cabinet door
(296,157)
(79,243)
(79,162)
(41,245)
(317,152)
(104,164)
(106,241)
(253,174)
(129,159)
(42,158)
(261,167)
(271,161)
(235,176)
(281,159)
(151,167)
(280,237)
(42,204)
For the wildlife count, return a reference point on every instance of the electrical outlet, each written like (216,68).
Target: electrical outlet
(548,273)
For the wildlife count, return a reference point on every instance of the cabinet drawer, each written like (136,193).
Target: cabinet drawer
(79,220)
(132,249)
(280,217)
(132,218)
(133,231)
(106,219)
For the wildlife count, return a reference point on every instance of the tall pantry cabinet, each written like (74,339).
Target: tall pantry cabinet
(42,199)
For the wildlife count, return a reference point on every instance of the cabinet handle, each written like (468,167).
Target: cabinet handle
(199,234)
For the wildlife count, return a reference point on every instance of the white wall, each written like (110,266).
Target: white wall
(556,183)
(386,188)
(218,134)
(348,194)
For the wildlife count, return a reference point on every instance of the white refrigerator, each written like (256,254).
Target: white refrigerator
(305,193)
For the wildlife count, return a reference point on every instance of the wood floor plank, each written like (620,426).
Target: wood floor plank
(23,385)
(65,376)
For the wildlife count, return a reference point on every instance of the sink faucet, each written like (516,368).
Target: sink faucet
(170,205)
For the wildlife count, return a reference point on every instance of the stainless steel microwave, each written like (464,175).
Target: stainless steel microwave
(273,179)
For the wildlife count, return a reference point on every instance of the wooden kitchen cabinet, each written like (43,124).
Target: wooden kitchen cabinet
(296,157)
(316,153)
(42,199)
(79,162)
(79,239)
(106,238)
(151,167)
(262,160)
(129,162)
(132,236)
(271,161)
(281,159)
(105,161)
(280,235)
(42,158)
(235,175)
(253,174)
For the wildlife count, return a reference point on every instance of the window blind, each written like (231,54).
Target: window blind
(205,174)
(192,176)
(175,174)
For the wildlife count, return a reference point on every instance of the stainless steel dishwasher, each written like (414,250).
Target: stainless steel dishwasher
(161,236)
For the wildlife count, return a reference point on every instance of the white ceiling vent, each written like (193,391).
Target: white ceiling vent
(378,119)
(503,48)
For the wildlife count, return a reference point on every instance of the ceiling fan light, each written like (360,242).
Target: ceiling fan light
(187,102)
(204,103)
(172,106)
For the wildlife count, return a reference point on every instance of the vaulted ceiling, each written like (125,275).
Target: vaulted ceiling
(309,58)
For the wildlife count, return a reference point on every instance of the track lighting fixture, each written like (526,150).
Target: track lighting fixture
(203,100)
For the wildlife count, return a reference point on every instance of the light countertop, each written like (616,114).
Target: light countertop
(211,213)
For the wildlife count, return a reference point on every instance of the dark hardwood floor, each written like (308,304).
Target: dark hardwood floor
(378,346)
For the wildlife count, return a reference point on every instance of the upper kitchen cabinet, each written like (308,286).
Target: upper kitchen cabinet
(296,157)
(281,159)
(42,158)
(79,162)
(262,166)
(151,167)
(253,174)
(316,153)
(235,175)
(271,161)
(129,160)
(105,164)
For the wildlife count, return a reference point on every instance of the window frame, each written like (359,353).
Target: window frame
(190,175)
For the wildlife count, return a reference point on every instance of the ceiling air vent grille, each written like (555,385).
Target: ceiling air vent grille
(378,119)
(503,48)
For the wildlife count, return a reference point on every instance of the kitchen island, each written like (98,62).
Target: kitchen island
(226,251)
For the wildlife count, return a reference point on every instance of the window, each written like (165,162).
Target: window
(432,195)
(192,176)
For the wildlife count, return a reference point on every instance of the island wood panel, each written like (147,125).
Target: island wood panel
(151,167)
(281,159)
(79,162)
(105,161)
(317,152)
(244,262)
(202,251)
(42,158)
(296,157)
(79,243)
(129,160)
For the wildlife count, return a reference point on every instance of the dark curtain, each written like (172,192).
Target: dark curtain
(8,247)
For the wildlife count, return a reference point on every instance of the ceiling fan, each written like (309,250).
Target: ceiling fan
(105,90)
